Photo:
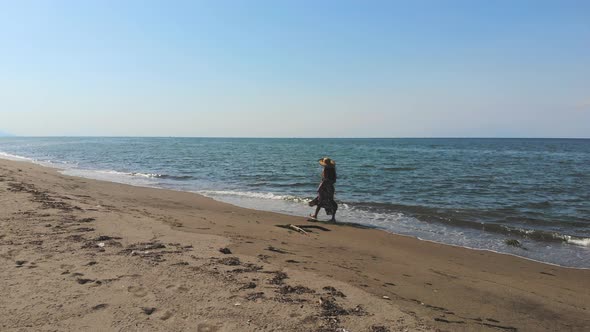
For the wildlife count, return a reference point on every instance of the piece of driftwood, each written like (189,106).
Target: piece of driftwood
(277,250)
(308,227)
(298,229)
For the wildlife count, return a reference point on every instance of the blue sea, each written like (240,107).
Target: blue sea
(474,193)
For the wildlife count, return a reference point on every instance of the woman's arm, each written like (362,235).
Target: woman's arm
(321,185)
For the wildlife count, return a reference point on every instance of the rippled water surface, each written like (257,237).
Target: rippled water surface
(468,192)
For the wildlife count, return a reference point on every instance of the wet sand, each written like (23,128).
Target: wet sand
(79,254)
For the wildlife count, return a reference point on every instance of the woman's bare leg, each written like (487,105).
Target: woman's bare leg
(317,210)
(333,217)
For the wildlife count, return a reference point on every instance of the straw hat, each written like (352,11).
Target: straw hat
(327,162)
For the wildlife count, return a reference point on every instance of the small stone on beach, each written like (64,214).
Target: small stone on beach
(148,311)
(100,306)
(83,281)
(225,251)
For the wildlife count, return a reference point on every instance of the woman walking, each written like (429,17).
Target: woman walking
(325,197)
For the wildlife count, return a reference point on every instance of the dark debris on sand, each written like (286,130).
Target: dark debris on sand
(331,311)
(149,250)
(84,229)
(225,251)
(358,311)
(284,294)
(180,264)
(281,298)
(333,291)
(277,250)
(230,261)
(331,308)
(263,258)
(278,278)
(43,197)
(106,238)
(255,296)
(75,238)
(248,267)
(83,281)
(250,285)
(287,289)
(143,246)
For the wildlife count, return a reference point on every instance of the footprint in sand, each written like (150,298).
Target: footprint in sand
(178,288)
(137,291)
(167,315)
(207,328)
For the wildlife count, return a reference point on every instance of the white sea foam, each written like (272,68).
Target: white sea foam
(250,194)
(147,175)
(108,171)
(105,173)
(46,163)
(585,242)
(112,176)
(10,156)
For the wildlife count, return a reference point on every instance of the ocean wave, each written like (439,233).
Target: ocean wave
(508,215)
(475,220)
(133,178)
(10,156)
(42,162)
(142,175)
(538,235)
(161,176)
(585,242)
(250,194)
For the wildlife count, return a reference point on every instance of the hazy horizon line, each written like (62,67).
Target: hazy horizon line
(295,137)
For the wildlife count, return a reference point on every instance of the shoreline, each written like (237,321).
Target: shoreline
(428,283)
(64,171)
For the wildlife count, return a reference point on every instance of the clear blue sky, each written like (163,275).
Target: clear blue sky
(296,68)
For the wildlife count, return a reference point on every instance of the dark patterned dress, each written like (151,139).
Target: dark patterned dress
(325,198)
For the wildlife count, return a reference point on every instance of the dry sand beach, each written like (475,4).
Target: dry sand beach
(79,254)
